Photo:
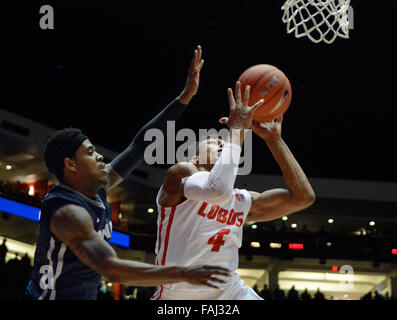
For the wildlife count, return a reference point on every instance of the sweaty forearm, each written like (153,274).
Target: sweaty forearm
(298,185)
(142,274)
(132,156)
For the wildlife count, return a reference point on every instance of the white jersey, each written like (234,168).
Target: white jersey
(198,232)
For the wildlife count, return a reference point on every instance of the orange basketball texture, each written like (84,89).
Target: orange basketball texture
(270,84)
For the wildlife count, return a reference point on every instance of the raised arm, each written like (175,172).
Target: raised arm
(217,185)
(275,203)
(121,166)
(73,225)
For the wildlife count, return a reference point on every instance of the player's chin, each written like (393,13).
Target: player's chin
(103,180)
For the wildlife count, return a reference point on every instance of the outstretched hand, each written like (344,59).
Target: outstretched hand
(240,116)
(206,275)
(193,77)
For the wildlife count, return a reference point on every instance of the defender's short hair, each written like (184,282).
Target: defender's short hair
(58,147)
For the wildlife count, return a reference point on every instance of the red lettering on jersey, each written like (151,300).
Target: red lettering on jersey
(232,218)
(239,219)
(222,215)
(212,214)
(202,208)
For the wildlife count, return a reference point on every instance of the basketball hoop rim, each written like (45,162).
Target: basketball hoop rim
(303,20)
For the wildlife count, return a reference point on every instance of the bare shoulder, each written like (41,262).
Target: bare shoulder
(69,222)
(253,194)
(172,191)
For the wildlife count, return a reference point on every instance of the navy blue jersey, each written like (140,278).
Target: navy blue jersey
(57,273)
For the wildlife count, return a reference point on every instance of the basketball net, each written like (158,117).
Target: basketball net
(319,20)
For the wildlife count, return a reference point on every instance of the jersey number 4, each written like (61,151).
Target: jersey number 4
(217,239)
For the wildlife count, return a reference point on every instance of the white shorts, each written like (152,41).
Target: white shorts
(235,291)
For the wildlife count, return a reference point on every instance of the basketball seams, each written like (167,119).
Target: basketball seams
(278,91)
(253,87)
(263,75)
(270,84)
(282,110)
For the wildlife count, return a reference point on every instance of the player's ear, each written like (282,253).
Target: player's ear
(69,164)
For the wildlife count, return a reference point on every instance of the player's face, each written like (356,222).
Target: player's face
(89,164)
(209,150)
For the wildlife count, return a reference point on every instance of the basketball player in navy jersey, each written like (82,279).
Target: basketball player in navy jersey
(72,252)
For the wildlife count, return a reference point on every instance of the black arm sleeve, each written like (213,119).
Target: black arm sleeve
(131,157)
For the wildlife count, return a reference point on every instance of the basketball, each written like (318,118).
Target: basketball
(271,84)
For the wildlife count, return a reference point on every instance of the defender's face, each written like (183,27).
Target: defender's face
(209,150)
(89,164)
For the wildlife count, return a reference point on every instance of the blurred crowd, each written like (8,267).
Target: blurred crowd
(19,191)
(105,292)
(376,296)
(272,227)
(293,294)
(14,275)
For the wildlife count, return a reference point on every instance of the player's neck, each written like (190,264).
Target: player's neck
(89,191)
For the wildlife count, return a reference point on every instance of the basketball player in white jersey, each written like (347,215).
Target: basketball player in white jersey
(201,214)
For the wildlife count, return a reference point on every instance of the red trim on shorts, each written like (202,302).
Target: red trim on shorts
(159,235)
(158,293)
(167,235)
(161,291)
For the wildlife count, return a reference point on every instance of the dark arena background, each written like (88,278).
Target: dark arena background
(109,67)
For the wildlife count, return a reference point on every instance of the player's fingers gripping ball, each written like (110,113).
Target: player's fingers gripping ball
(270,84)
